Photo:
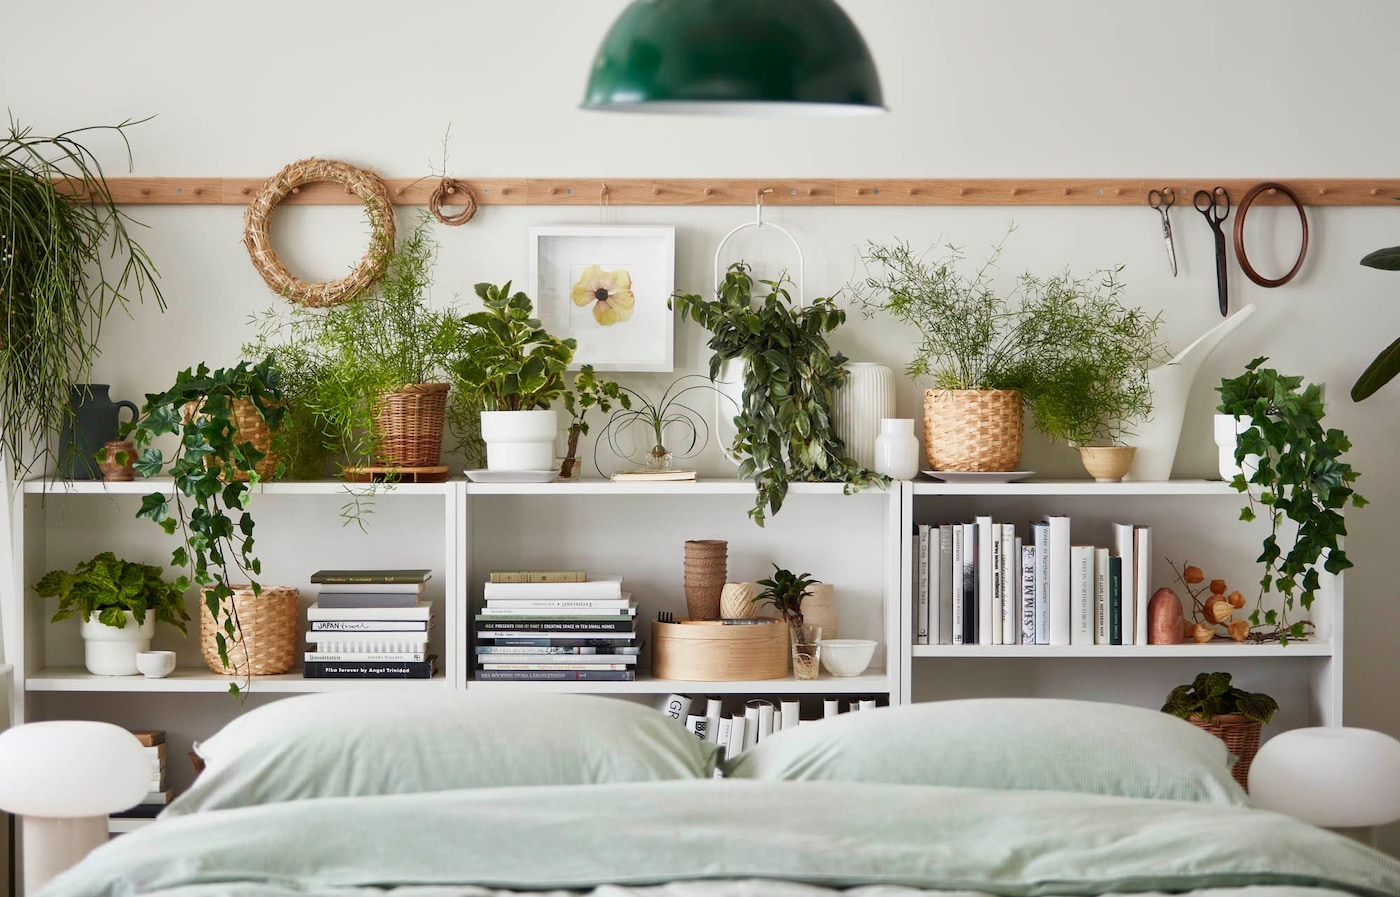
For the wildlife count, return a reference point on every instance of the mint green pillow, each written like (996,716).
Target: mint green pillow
(1010,743)
(390,741)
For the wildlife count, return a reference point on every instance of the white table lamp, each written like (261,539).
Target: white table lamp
(64,777)
(1330,776)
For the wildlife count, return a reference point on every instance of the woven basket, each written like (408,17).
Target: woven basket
(410,425)
(976,430)
(1241,737)
(249,426)
(269,624)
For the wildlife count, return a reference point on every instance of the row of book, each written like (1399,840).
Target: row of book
(983,583)
(761,718)
(556,626)
(369,624)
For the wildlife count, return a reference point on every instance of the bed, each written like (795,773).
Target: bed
(563,794)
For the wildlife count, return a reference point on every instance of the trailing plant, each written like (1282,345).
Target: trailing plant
(67,259)
(785,432)
(1386,365)
(588,393)
(656,418)
(1300,477)
(109,588)
(784,591)
(206,506)
(1211,695)
(509,361)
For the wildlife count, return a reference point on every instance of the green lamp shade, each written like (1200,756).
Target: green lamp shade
(744,57)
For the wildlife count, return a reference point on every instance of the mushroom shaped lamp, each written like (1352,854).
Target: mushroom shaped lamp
(1331,776)
(64,777)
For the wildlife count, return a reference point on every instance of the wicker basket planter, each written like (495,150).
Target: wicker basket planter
(1241,737)
(410,425)
(249,426)
(270,632)
(975,430)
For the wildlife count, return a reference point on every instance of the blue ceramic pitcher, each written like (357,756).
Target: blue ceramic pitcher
(95,419)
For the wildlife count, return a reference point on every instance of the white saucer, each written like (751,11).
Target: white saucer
(972,476)
(512,476)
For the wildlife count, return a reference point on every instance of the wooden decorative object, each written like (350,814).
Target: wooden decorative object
(711,651)
(1241,737)
(975,430)
(409,424)
(269,623)
(258,220)
(437,473)
(736,601)
(1274,188)
(1165,618)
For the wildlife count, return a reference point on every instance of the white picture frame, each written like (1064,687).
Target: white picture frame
(619,262)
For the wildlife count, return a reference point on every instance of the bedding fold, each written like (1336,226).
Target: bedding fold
(833,834)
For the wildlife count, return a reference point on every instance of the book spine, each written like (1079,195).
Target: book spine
(556,675)
(726,725)
(555,636)
(366,601)
(368,670)
(1058,586)
(738,737)
(557,605)
(791,713)
(969,583)
(1041,532)
(369,625)
(557,660)
(603,587)
(867,703)
(337,643)
(555,625)
(516,576)
(831,707)
(695,725)
(1010,569)
(1115,600)
(935,586)
(751,724)
(342,656)
(956,582)
(1101,596)
(714,709)
(499,642)
(370,577)
(1028,594)
(1142,580)
(985,559)
(1081,582)
(946,619)
(540,650)
(1123,547)
(678,707)
(921,578)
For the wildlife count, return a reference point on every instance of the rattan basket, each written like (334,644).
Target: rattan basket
(1241,737)
(976,430)
(269,625)
(410,425)
(249,426)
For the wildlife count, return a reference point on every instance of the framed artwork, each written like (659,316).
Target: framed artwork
(607,287)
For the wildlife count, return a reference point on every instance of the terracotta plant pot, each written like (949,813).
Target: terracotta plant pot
(118,460)
(706,571)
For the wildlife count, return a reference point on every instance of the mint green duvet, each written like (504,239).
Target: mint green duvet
(731,837)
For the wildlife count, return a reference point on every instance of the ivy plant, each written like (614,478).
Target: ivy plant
(109,588)
(509,361)
(206,506)
(1212,695)
(785,432)
(1301,478)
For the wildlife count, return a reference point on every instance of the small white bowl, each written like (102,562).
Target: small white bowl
(847,656)
(155,664)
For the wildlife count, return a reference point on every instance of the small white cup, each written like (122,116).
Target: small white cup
(155,664)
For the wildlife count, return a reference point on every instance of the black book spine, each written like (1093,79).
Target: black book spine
(969,603)
(486,626)
(328,669)
(557,675)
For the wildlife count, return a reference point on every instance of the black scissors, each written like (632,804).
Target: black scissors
(1215,206)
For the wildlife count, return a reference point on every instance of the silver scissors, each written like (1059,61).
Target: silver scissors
(1163,200)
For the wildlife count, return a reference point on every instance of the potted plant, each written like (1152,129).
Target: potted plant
(784,591)
(1386,365)
(67,259)
(1299,475)
(784,425)
(1231,714)
(120,603)
(515,369)
(587,393)
(208,501)
(656,418)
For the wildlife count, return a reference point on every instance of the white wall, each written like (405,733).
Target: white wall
(1087,88)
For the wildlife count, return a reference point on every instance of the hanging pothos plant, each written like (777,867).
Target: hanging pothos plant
(785,431)
(67,259)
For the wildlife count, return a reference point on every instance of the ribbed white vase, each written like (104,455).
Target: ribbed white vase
(859,404)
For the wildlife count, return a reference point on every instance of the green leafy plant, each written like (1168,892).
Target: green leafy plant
(108,587)
(783,591)
(668,413)
(1387,364)
(1212,695)
(206,506)
(588,392)
(785,431)
(1300,478)
(67,259)
(510,362)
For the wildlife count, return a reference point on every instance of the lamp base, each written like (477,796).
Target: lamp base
(52,845)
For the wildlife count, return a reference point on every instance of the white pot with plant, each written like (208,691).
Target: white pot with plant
(119,603)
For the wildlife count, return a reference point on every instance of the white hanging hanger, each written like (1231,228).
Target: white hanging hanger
(758,222)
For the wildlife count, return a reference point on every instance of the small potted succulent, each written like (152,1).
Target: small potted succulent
(784,591)
(1231,714)
(120,603)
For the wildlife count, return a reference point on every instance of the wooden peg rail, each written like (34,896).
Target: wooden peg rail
(781,192)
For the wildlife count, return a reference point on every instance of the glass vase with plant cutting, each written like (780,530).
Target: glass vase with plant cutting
(665,420)
(784,591)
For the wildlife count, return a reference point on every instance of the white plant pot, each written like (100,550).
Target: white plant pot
(109,651)
(519,440)
(1227,430)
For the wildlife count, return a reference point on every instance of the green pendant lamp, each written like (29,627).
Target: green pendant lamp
(734,57)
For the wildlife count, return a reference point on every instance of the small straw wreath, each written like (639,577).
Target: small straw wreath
(257,237)
(450,188)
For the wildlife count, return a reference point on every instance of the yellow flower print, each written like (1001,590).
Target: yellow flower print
(611,291)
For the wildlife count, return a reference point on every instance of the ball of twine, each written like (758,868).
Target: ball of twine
(258,220)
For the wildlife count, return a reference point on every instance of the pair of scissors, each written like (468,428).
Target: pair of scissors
(1162,200)
(1215,206)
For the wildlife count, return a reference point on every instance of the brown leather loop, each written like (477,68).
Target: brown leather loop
(1239,234)
(447,193)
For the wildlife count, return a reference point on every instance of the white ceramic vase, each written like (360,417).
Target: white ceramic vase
(729,384)
(1227,431)
(519,440)
(897,449)
(109,651)
(858,406)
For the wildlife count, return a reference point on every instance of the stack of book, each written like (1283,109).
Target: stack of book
(556,626)
(982,583)
(158,791)
(369,624)
(655,476)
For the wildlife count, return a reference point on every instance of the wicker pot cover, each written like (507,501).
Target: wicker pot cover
(249,426)
(270,632)
(410,425)
(1241,737)
(977,430)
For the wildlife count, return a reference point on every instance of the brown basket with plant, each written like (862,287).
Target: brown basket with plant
(973,429)
(1233,715)
(268,623)
(410,424)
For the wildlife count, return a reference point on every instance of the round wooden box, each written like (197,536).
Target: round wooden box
(712,651)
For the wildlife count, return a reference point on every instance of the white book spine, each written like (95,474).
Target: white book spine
(1058,586)
(714,710)
(738,737)
(986,577)
(726,725)
(792,714)
(1010,580)
(765,719)
(695,725)
(934,617)
(831,707)
(1041,531)
(945,585)
(1081,590)
(1028,594)
(921,578)
(1142,577)
(1101,596)
(998,605)
(867,704)
(678,707)
(956,580)
(1123,547)
(750,724)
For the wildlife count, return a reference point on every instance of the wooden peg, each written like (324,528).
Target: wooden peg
(145,191)
(505,191)
(349,192)
(1273,191)
(198,191)
(1321,191)
(1065,191)
(655,191)
(1015,191)
(912,191)
(1375,191)
(860,192)
(246,190)
(451,191)
(398,192)
(553,190)
(811,192)
(709,191)
(962,191)
(1117,191)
